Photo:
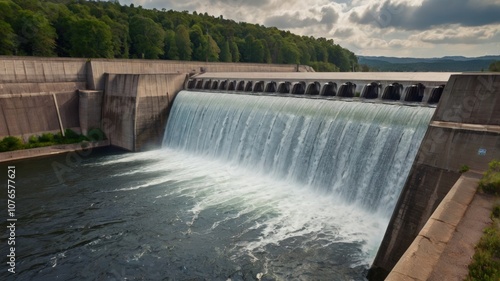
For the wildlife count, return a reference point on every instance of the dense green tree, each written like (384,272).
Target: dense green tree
(200,43)
(253,50)
(35,35)
(171,51)
(91,38)
(120,37)
(225,52)
(213,49)
(291,53)
(147,37)
(183,43)
(47,28)
(7,39)
(235,52)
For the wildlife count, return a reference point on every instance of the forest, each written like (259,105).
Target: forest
(107,29)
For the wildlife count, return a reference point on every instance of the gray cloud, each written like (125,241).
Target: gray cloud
(238,3)
(329,16)
(290,21)
(430,13)
(343,33)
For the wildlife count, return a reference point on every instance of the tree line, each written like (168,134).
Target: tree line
(107,29)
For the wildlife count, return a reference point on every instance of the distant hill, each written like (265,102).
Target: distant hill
(444,64)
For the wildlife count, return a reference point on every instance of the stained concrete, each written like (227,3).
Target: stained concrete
(444,247)
(454,139)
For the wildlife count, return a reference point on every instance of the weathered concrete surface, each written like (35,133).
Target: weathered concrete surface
(90,109)
(42,70)
(23,88)
(156,94)
(29,114)
(451,141)
(98,67)
(445,245)
(136,107)
(430,80)
(456,257)
(49,150)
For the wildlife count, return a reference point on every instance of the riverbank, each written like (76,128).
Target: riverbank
(50,150)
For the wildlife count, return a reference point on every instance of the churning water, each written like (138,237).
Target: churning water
(245,188)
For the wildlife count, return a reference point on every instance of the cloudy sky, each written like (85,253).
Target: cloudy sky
(402,28)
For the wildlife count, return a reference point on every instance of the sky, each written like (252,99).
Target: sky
(398,28)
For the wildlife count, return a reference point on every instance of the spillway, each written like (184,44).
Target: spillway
(246,187)
(359,152)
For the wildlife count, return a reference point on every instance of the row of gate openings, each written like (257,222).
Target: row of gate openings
(373,90)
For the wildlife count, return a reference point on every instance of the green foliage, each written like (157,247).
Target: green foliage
(107,29)
(463,169)
(148,38)
(225,52)
(490,183)
(7,39)
(35,35)
(495,66)
(91,38)
(183,43)
(10,143)
(47,139)
(485,265)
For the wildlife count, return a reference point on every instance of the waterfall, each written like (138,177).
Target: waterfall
(360,152)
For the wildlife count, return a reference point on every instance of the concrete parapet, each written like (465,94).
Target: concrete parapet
(42,70)
(98,67)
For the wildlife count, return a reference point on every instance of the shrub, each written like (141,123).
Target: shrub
(33,140)
(96,134)
(485,264)
(490,183)
(11,143)
(46,137)
(464,169)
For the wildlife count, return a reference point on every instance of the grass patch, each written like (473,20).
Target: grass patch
(490,183)
(47,139)
(485,265)
(464,169)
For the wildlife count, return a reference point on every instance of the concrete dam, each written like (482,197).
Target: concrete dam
(387,144)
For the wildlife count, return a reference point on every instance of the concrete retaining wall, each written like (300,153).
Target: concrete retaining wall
(465,130)
(32,114)
(136,107)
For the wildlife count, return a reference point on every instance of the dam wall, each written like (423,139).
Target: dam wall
(465,130)
(99,67)
(40,95)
